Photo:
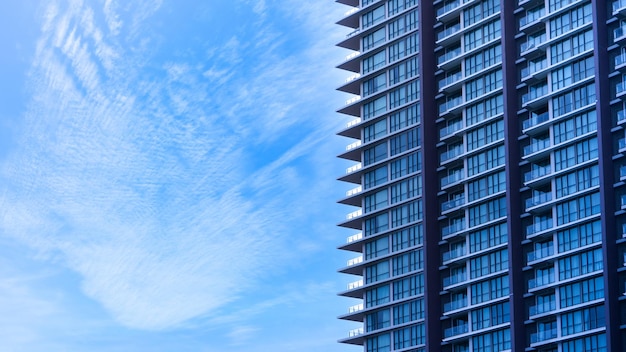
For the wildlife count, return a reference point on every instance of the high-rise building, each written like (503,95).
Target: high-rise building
(490,175)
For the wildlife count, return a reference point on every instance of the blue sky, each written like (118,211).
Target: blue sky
(167,176)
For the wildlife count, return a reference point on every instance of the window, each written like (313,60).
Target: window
(574,127)
(479,11)
(376,224)
(404,47)
(374,108)
(488,211)
(373,17)
(376,248)
(484,110)
(407,287)
(580,264)
(375,84)
(380,343)
(579,236)
(486,160)
(375,131)
(406,165)
(571,46)
(403,71)
(491,289)
(486,58)
(483,85)
(486,186)
(484,135)
(377,272)
(490,316)
(377,296)
(375,154)
(489,237)
(373,39)
(581,292)
(493,341)
(409,336)
(407,312)
(405,141)
(576,154)
(482,35)
(377,320)
(406,213)
(408,262)
(375,178)
(395,6)
(577,181)
(374,62)
(570,20)
(405,238)
(404,23)
(409,188)
(578,208)
(375,201)
(489,263)
(596,343)
(582,320)
(405,117)
(404,94)
(575,72)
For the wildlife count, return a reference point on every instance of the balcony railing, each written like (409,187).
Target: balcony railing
(618,33)
(454,305)
(538,199)
(532,43)
(619,5)
(353,122)
(540,281)
(540,253)
(537,173)
(450,129)
(455,253)
(448,7)
(452,153)
(449,31)
(356,284)
(536,146)
(539,226)
(620,87)
(542,308)
(452,178)
(532,17)
(353,145)
(534,67)
(621,143)
(354,191)
(622,172)
(456,330)
(450,80)
(450,104)
(449,56)
(354,214)
(453,203)
(621,116)
(355,261)
(354,238)
(355,308)
(535,93)
(452,229)
(535,120)
(543,335)
(354,168)
(454,279)
(355,332)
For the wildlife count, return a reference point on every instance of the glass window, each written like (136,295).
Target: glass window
(491,289)
(377,248)
(375,131)
(403,118)
(488,237)
(377,320)
(582,320)
(489,263)
(377,272)
(408,237)
(409,188)
(484,110)
(580,264)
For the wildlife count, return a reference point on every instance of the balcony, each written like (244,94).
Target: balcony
(450,80)
(619,5)
(450,104)
(620,60)
(533,67)
(539,226)
(454,279)
(532,43)
(545,335)
(532,17)
(456,330)
(449,55)
(354,214)
(354,168)
(619,33)
(356,308)
(535,120)
(537,172)
(354,238)
(454,177)
(621,116)
(354,191)
(355,261)
(356,284)
(455,253)
(453,203)
(620,88)
(452,153)
(450,129)
(621,144)
(536,146)
(538,199)
(534,94)
(454,305)
(623,201)
(540,281)
(542,308)
(449,32)
(453,229)
(356,332)
(540,254)
(448,7)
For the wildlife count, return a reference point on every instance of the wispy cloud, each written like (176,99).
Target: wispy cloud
(145,183)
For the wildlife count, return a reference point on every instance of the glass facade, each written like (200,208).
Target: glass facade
(490,174)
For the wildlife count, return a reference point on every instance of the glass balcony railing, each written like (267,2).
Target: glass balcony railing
(455,253)
(453,203)
(354,214)
(532,17)
(535,93)
(450,80)
(536,120)
(621,143)
(354,191)
(620,59)
(542,308)
(449,55)
(623,201)
(355,261)
(450,129)
(543,335)
(532,43)
(621,116)
(355,308)
(619,5)
(536,173)
(450,104)
(356,284)
(454,305)
(452,229)
(537,146)
(540,254)
(356,332)
(540,281)
(618,33)
(454,279)
(456,330)
(354,168)
(538,199)
(452,153)
(539,226)
(449,31)
(449,6)
(453,178)
(622,173)
(354,238)
(534,67)
(620,87)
